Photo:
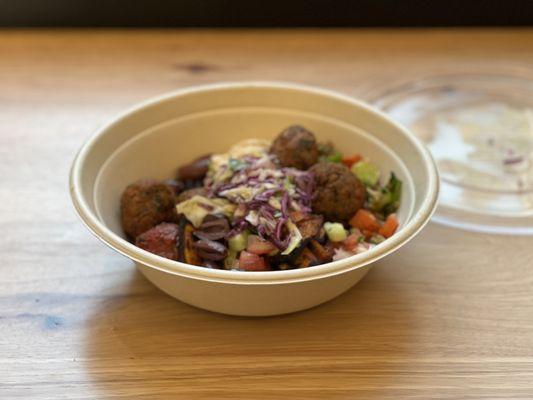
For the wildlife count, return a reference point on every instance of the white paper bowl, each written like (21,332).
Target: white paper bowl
(152,139)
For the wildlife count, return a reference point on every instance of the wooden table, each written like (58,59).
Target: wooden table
(448,316)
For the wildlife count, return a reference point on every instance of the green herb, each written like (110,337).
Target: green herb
(236,164)
(327,153)
(335,157)
(331,158)
(386,199)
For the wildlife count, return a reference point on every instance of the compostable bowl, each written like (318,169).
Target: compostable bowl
(154,138)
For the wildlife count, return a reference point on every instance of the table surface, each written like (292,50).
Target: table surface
(450,315)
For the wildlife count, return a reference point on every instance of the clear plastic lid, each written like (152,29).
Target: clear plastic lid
(479,128)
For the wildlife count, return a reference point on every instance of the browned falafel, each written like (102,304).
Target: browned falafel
(145,204)
(338,192)
(295,147)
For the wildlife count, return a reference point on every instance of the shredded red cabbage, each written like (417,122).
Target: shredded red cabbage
(289,188)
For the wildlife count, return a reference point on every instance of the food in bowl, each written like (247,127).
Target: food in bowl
(147,140)
(265,206)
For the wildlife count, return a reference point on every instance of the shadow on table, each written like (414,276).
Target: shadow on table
(144,341)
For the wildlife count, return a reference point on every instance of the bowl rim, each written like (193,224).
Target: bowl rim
(417,221)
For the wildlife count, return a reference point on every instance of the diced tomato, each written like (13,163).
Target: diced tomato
(252,262)
(259,246)
(364,220)
(389,226)
(351,242)
(351,160)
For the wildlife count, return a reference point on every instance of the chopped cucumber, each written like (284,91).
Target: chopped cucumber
(335,231)
(238,242)
(230,259)
(367,172)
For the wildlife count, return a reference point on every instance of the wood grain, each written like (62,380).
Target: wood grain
(449,316)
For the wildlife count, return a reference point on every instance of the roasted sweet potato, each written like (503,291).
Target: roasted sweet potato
(310,226)
(187,252)
(306,259)
(324,253)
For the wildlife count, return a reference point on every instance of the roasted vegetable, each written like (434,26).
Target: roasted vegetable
(306,259)
(279,259)
(310,225)
(324,253)
(187,252)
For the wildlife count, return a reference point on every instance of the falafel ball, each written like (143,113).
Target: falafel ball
(161,240)
(338,192)
(145,204)
(295,147)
